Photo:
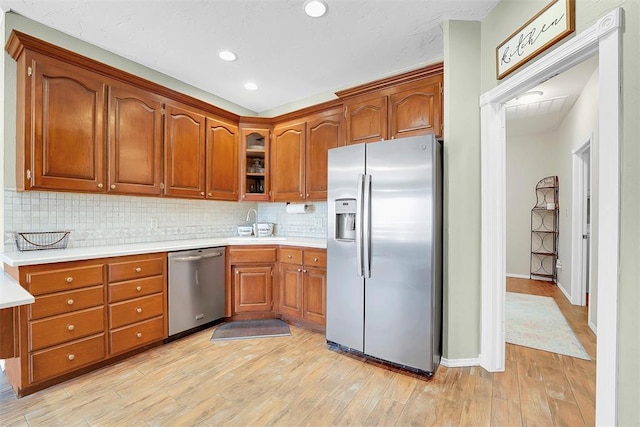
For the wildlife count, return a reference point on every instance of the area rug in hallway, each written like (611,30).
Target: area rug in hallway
(536,321)
(241,329)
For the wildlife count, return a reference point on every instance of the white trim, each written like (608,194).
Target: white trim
(564,291)
(593,328)
(460,363)
(518,276)
(608,218)
(578,280)
(604,38)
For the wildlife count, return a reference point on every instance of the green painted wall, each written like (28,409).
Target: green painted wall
(461,190)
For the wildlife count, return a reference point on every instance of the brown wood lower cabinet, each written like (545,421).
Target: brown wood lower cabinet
(250,271)
(84,313)
(302,283)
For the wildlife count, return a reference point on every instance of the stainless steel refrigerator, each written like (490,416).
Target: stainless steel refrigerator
(384,251)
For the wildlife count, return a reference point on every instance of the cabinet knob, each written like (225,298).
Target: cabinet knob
(289,256)
(138,310)
(70,301)
(113,186)
(71,356)
(202,193)
(304,271)
(315,259)
(299,270)
(100,185)
(301,195)
(139,335)
(138,288)
(210,194)
(69,279)
(244,195)
(70,327)
(138,269)
(307,195)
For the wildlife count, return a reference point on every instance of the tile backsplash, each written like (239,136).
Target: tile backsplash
(96,219)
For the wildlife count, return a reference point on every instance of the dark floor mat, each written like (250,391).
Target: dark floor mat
(241,329)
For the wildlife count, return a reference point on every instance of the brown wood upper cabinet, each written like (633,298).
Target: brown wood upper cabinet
(299,156)
(184,152)
(397,111)
(254,163)
(135,141)
(324,131)
(222,160)
(61,118)
(287,162)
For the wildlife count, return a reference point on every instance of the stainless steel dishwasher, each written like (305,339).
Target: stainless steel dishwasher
(196,289)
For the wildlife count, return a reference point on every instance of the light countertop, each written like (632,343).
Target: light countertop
(18,259)
(11,293)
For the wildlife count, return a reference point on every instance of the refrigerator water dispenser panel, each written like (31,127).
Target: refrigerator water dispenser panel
(345,220)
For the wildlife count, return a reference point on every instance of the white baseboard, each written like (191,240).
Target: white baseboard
(460,363)
(566,295)
(593,327)
(518,276)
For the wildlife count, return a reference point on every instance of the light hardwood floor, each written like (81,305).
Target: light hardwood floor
(297,381)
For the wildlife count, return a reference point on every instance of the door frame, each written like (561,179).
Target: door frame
(578,209)
(602,38)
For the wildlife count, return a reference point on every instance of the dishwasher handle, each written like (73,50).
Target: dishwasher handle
(198,257)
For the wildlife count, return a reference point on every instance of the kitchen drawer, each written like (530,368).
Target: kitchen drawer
(252,254)
(136,310)
(135,288)
(136,335)
(66,302)
(315,258)
(54,279)
(127,270)
(291,256)
(59,360)
(64,328)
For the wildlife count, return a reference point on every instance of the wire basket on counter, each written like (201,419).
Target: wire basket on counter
(35,241)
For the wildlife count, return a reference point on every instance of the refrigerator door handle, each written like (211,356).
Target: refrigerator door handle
(358,225)
(366,227)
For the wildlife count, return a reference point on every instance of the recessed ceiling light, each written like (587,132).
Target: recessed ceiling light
(529,96)
(227,55)
(315,8)
(250,86)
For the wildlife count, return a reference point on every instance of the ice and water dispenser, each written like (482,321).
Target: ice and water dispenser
(345,220)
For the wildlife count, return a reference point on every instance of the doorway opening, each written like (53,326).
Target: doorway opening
(603,38)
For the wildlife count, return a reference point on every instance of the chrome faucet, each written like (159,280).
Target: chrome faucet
(255,224)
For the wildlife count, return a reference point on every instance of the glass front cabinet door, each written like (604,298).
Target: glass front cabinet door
(255,164)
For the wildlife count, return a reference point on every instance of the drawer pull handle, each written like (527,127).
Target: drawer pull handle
(71,356)
(69,279)
(315,260)
(138,288)
(139,310)
(139,335)
(138,269)
(70,327)
(70,301)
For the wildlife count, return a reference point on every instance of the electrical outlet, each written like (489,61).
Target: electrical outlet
(559,264)
(318,223)
(154,223)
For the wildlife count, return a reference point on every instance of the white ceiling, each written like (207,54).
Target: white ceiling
(559,95)
(290,56)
